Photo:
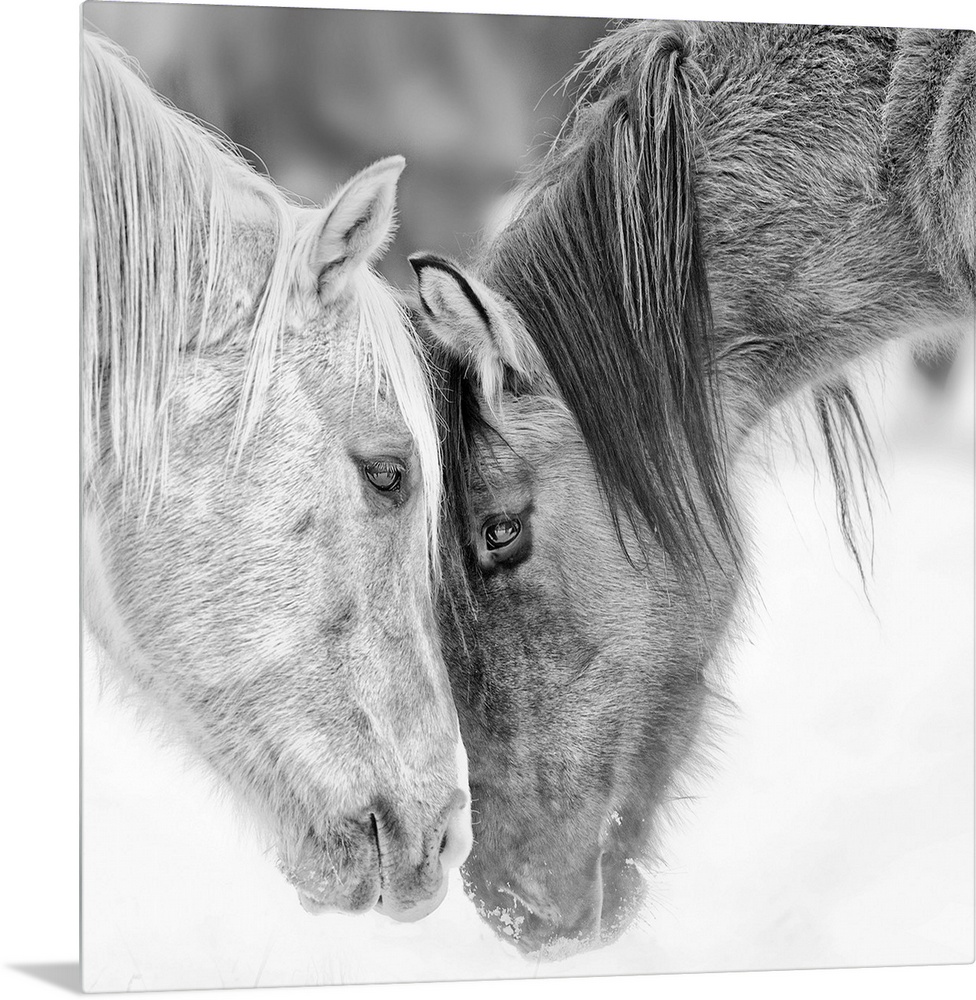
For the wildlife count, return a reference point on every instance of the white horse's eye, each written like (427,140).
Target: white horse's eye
(502,532)
(385,476)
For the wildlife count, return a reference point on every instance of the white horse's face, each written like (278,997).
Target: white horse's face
(279,609)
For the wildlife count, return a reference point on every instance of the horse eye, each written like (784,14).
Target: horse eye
(502,532)
(385,476)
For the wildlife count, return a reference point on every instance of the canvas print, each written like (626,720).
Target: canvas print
(527,496)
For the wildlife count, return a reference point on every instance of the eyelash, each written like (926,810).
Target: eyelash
(514,528)
(389,474)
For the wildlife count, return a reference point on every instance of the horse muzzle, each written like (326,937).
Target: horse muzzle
(560,917)
(376,861)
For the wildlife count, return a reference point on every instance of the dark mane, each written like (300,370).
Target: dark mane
(604,264)
(853,466)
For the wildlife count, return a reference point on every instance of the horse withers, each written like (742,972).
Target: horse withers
(261,484)
(733,215)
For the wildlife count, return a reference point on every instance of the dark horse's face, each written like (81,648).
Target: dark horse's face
(579,677)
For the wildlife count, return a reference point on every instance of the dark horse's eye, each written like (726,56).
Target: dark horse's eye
(385,476)
(502,532)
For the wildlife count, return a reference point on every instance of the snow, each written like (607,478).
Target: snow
(836,828)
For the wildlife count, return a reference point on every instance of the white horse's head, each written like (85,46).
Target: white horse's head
(261,492)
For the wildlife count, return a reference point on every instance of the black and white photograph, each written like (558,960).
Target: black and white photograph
(527,494)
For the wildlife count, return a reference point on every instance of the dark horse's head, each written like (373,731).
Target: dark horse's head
(595,545)
(577,654)
(591,405)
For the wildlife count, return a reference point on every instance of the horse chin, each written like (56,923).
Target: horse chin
(415,911)
(536,927)
(362,900)
(370,898)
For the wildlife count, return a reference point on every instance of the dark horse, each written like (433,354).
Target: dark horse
(733,214)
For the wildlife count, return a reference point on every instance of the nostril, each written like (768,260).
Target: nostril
(443,843)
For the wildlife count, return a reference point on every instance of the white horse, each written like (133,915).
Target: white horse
(259,536)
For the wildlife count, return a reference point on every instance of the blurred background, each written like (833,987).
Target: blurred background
(312,96)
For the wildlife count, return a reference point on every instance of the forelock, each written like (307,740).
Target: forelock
(386,335)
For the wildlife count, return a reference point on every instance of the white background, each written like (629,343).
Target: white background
(932,537)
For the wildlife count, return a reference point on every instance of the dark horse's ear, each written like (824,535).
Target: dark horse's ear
(475,324)
(356,226)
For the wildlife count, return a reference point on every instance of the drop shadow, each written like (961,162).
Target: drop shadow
(66,975)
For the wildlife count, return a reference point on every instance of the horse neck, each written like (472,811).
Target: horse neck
(813,261)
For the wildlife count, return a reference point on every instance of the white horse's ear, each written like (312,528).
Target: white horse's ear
(358,225)
(474,324)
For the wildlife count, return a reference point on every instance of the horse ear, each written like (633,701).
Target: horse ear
(474,324)
(358,224)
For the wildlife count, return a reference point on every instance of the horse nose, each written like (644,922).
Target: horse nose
(546,929)
(549,919)
(412,891)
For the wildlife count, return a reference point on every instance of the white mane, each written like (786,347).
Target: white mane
(160,193)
